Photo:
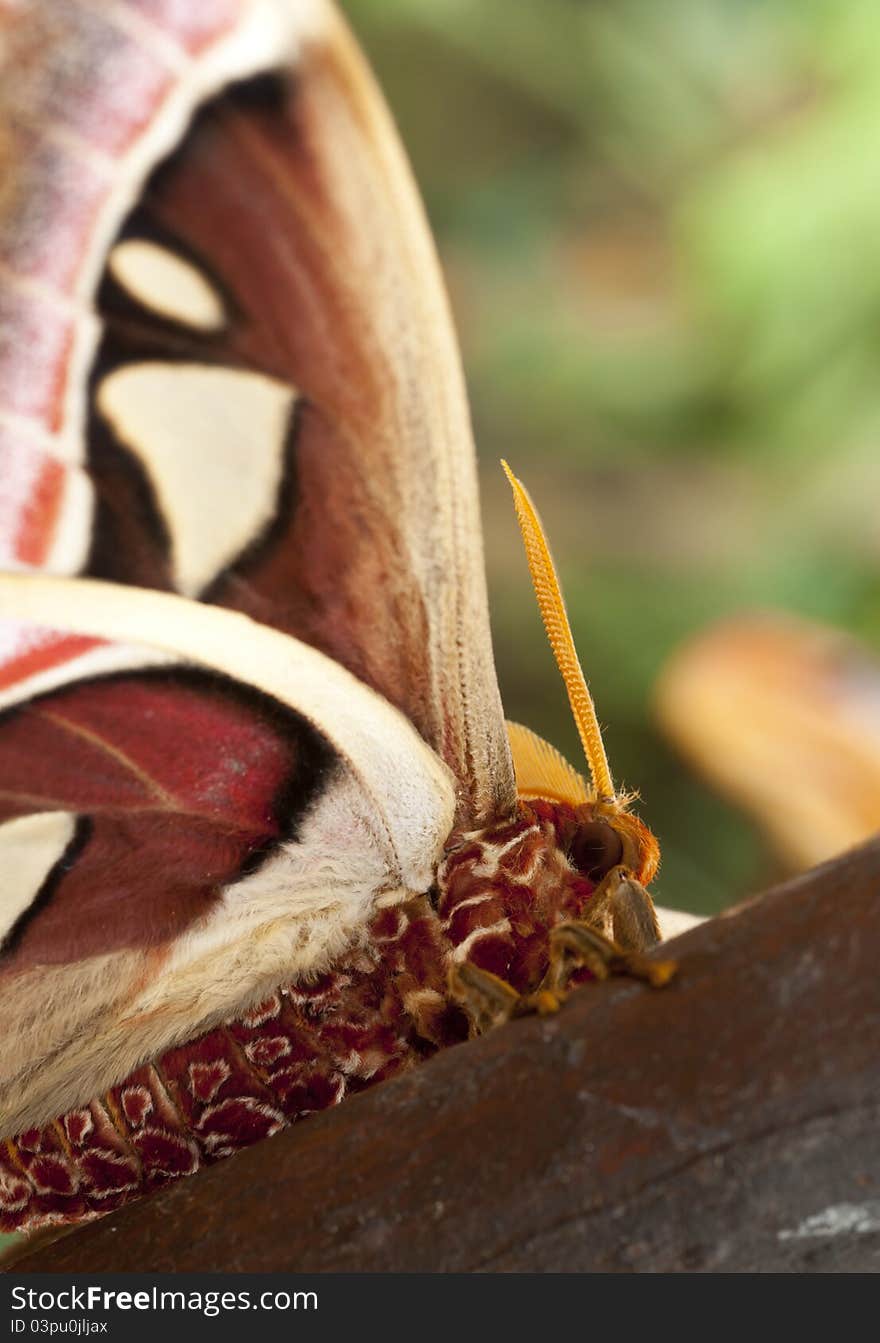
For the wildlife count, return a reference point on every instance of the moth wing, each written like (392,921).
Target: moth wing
(207,809)
(541,770)
(227,367)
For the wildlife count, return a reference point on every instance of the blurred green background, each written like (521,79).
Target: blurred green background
(660,226)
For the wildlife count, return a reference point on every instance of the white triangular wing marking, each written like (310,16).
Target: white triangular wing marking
(30,846)
(212,442)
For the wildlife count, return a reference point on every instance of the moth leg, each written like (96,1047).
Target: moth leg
(633,920)
(624,908)
(487,999)
(620,903)
(575,943)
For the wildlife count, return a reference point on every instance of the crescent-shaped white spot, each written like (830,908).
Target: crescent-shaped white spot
(30,846)
(212,442)
(167,284)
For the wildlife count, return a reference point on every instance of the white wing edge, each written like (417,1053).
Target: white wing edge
(411,789)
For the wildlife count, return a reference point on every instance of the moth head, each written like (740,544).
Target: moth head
(567,872)
(505,892)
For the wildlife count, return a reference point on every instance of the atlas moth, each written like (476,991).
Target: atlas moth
(266,838)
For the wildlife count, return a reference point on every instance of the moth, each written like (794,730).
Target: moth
(265,837)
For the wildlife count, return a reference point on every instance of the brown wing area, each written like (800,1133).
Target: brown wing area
(281,197)
(286,209)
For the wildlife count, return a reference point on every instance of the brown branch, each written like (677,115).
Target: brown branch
(729,1122)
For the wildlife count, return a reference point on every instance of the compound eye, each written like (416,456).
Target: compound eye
(595,848)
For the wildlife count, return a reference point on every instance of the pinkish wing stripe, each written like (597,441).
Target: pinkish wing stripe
(53,204)
(36,339)
(27,650)
(193,27)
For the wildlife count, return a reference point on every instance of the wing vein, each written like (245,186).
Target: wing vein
(161,794)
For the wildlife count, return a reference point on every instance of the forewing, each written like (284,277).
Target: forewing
(226,362)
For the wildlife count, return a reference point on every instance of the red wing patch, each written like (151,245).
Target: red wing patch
(182,783)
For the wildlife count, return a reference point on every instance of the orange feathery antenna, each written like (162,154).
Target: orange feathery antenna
(553,613)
